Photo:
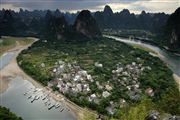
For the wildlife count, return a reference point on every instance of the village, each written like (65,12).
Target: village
(69,78)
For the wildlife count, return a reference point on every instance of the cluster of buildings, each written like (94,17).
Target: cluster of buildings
(127,77)
(70,78)
(155,115)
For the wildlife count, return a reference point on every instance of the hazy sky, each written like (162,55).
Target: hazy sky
(136,6)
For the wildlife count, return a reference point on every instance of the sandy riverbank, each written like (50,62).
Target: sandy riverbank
(10,70)
(177,79)
(4,84)
(13,70)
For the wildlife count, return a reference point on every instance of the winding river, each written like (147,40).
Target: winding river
(14,99)
(173,61)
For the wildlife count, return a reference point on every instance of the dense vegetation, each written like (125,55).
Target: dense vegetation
(5,114)
(109,53)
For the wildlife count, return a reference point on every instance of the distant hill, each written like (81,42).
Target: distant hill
(36,23)
(173,31)
(125,20)
(55,26)
(86,24)
(52,25)
(31,21)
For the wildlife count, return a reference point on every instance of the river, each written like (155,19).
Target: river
(172,60)
(14,99)
(5,59)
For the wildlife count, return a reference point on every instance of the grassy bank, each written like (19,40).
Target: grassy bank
(7,42)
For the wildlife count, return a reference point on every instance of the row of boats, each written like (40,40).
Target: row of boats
(37,94)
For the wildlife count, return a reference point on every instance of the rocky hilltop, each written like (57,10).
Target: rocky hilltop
(126,20)
(55,26)
(173,30)
(86,24)
(108,10)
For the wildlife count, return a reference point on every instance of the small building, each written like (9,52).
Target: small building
(43,65)
(105,94)
(150,92)
(98,64)
(108,87)
(92,97)
(79,87)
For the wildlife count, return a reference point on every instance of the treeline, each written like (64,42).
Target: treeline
(5,114)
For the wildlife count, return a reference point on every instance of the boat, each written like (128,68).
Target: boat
(62,110)
(44,97)
(57,105)
(50,107)
(35,89)
(30,97)
(35,98)
(25,93)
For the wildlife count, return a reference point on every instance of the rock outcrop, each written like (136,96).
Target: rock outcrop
(86,25)
(55,26)
(108,10)
(173,30)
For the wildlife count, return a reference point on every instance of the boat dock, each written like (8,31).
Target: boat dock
(35,94)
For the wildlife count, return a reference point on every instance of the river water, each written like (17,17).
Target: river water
(14,99)
(172,60)
(5,59)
